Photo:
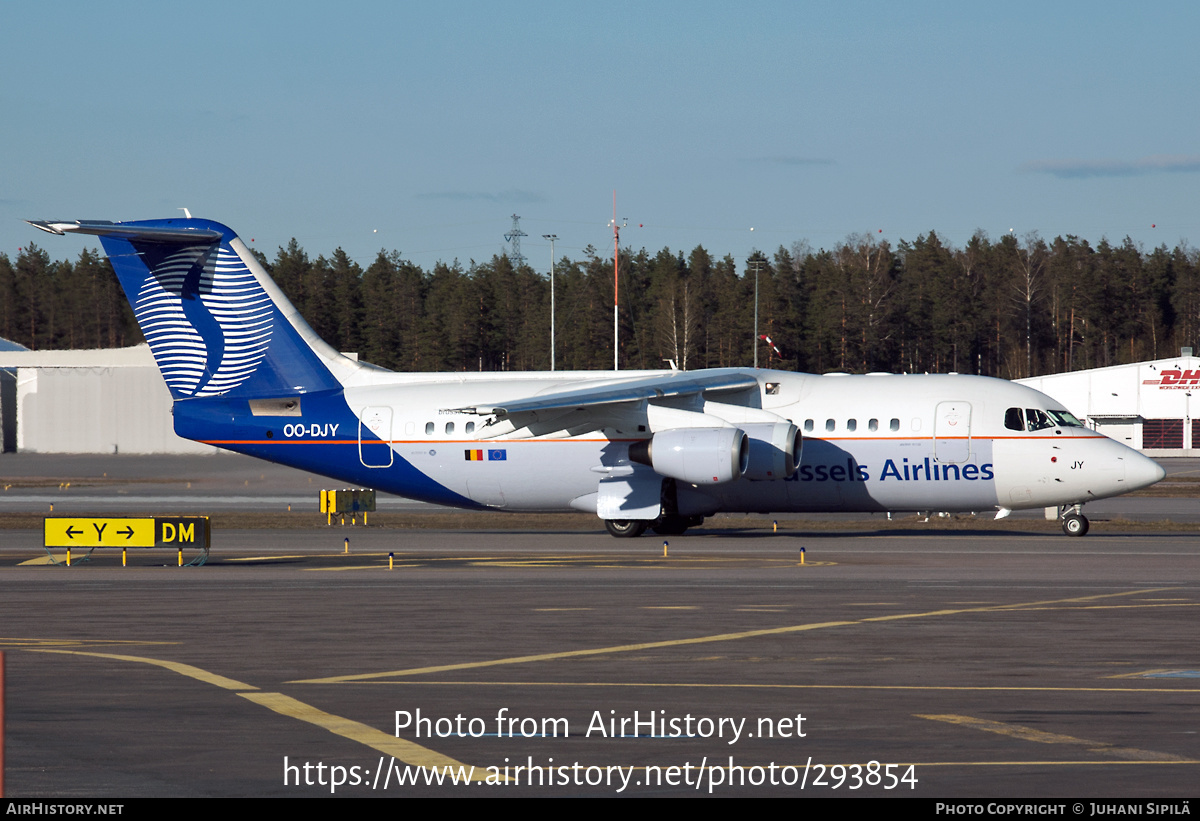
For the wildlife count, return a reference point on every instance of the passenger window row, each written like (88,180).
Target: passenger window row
(851,425)
(430,427)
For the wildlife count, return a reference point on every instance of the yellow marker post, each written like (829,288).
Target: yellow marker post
(802,555)
(124,557)
(775,526)
(181,557)
(347,545)
(391,561)
(664,549)
(68,557)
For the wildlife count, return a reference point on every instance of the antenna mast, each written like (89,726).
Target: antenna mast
(514,236)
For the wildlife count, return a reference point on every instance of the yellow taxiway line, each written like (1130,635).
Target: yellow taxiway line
(746,634)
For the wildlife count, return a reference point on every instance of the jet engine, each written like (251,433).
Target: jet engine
(701,456)
(774,450)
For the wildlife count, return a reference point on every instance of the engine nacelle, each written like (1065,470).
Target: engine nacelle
(775,449)
(701,456)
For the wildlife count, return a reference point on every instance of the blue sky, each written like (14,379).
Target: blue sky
(423,127)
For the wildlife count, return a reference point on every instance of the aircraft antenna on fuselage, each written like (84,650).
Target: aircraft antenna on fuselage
(186,213)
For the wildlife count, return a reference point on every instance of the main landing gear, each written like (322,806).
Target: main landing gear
(1074,523)
(664,526)
(668,523)
(625,528)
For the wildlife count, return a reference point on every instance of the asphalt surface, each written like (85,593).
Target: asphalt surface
(973,662)
(32,482)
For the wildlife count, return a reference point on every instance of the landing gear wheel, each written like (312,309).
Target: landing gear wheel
(625,528)
(670,525)
(1075,524)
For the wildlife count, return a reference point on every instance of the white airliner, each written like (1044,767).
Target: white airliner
(657,449)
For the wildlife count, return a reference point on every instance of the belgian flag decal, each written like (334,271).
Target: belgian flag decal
(493,455)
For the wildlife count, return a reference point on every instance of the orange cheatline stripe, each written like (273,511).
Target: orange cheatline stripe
(499,442)
(516,442)
(512,442)
(941,438)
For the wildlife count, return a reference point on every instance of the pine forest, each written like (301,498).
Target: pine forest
(1011,308)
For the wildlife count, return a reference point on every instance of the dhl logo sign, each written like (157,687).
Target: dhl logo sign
(1176,380)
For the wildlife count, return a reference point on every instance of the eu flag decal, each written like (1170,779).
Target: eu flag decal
(498,455)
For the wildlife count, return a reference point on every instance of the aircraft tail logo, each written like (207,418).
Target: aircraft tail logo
(207,320)
(216,322)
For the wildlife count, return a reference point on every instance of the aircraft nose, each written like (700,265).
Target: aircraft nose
(1143,472)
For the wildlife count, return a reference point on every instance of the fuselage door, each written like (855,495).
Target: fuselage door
(952,432)
(374,433)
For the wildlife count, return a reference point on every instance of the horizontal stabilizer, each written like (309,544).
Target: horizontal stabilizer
(142,233)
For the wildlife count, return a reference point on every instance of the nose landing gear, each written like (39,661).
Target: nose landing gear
(1074,523)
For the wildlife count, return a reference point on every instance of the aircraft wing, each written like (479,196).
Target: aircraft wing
(606,402)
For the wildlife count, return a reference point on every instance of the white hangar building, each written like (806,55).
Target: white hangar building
(95,401)
(1150,406)
(110,400)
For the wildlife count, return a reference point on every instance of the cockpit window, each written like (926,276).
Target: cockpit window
(1065,419)
(1034,419)
(1037,420)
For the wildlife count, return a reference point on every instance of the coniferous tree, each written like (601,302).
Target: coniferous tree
(8,299)
(1009,309)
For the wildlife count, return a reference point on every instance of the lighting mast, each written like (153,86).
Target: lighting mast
(551,237)
(616,267)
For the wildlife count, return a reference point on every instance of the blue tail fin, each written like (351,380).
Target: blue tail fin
(216,322)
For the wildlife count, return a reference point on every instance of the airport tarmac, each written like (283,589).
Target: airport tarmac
(969,659)
(33,482)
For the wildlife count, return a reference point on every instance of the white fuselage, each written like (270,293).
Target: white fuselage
(872,443)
